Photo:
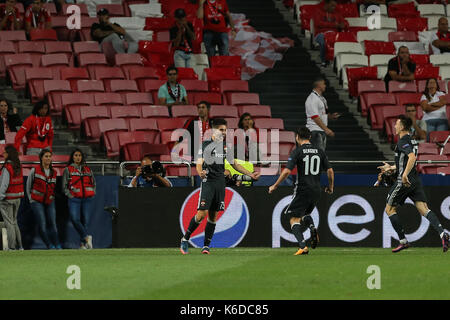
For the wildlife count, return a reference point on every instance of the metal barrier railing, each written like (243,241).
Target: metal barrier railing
(90,163)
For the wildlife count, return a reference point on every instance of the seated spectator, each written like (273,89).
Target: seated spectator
(105,31)
(37,17)
(440,41)
(247,124)
(10,16)
(10,119)
(172,93)
(326,19)
(419,127)
(216,17)
(433,104)
(38,130)
(182,34)
(153,180)
(400,68)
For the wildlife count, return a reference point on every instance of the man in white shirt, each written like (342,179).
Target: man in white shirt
(440,41)
(317,115)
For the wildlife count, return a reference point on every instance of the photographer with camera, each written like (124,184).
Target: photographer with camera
(149,174)
(10,16)
(216,16)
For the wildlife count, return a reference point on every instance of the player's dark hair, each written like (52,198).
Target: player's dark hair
(208,105)
(303,133)
(171,68)
(406,122)
(219,122)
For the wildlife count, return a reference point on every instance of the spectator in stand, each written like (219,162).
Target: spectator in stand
(37,17)
(105,31)
(10,120)
(400,68)
(38,130)
(154,180)
(172,92)
(247,124)
(216,17)
(327,18)
(11,191)
(10,17)
(79,187)
(433,104)
(419,127)
(182,34)
(198,126)
(317,115)
(440,41)
(41,184)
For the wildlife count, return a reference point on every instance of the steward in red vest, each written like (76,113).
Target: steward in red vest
(43,189)
(80,183)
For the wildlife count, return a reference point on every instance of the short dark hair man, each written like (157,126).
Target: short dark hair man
(155,180)
(418,127)
(37,17)
(408,185)
(440,41)
(310,161)
(172,92)
(211,168)
(400,68)
(105,31)
(182,35)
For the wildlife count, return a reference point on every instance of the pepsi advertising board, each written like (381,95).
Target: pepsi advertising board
(352,216)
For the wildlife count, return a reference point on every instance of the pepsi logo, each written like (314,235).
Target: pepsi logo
(231,224)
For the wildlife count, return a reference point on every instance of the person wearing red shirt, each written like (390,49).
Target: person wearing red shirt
(327,18)
(216,17)
(10,16)
(38,130)
(37,17)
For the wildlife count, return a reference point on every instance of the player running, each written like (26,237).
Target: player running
(211,169)
(309,161)
(408,184)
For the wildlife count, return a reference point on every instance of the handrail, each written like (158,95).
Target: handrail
(184,162)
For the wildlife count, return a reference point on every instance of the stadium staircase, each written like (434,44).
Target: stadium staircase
(286,87)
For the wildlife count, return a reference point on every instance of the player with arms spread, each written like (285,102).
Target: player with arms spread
(309,161)
(408,184)
(211,168)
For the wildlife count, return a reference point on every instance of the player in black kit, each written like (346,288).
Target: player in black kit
(211,168)
(408,185)
(310,161)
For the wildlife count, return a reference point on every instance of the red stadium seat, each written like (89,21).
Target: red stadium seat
(35,81)
(211,97)
(91,86)
(83,9)
(140,74)
(161,36)
(398,86)
(233,86)
(6,47)
(86,47)
(115,10)
(378,47)
(16,65)
(139,98)
(332,37)
(71,104)
(144,125)
(408,98)
(86,23)
(152,85)
(426,168)
(35,48)
(187,74)
(110,136)
(157,24)
(240,98)
(126,112)
(65,47)
(389,125)
(403,36)
(43,35)
(155,112)
(59,24)
(108,99)
(386,114)
(420,58)
(374,99)
(221,73)
(257,111)
(123,86)
(125,138)
(272,123)
(348,10)
(192,85)
(412,24)
(90,60)
(16,35)
(356,74)
(366,86)
(126,61)
(439,136)
(158,53)
(183,111)
(307,12)
(53,89)
(232,123)
(223,112)
(428,148)
(170,124)
(73,75)
(135,151)
(55,62)
(403,10)
(446,150)
(426,72)
(106,74)
(376,115)
(51,8)
(91,118)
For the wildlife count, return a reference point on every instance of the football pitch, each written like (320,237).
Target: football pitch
(236,273)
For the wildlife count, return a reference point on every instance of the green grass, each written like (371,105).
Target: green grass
(238,273)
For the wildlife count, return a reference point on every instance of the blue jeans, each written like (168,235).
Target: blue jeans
(77,208)
(182,59)
(46,214)
(319,139)
(211,39)
(320,39)
(436,125)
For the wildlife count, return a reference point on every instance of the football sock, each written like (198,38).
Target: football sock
(296,230)
(192,226)
(431,216)
(209,232)
(397,226)
(308,221)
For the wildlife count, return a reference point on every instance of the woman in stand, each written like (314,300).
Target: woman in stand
(433,104)
(41,194)
(79,187)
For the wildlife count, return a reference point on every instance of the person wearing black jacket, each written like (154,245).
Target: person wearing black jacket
(10,119)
